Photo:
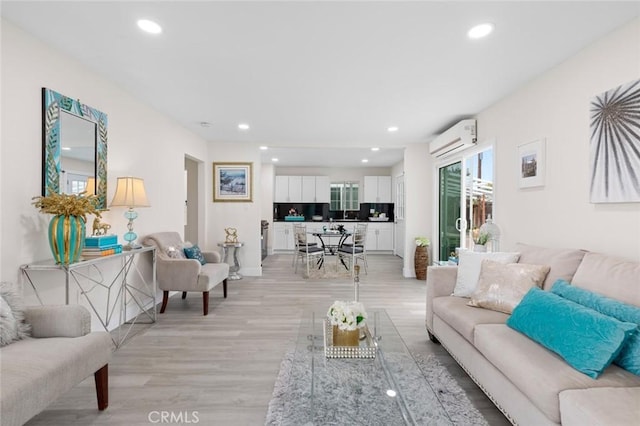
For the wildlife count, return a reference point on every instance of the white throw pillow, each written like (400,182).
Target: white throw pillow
(469,265)
(12,325)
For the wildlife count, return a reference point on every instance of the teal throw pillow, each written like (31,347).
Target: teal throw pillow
(194,252)
(586,339)
(629,357)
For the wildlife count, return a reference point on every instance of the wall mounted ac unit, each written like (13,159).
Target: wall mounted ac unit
(459,137)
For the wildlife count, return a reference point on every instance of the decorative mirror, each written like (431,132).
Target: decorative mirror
(74,147)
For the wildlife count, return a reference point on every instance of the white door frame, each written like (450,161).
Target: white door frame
(400,225)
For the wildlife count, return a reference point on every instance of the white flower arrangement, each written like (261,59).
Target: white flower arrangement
(348,316)
(422,241)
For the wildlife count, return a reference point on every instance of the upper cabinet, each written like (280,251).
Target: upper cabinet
(288,189)
(315,189)
(301,189)
(377,189)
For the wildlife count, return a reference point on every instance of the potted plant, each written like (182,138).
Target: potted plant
(421,257)
(67,228)
(347,318)
(480,238)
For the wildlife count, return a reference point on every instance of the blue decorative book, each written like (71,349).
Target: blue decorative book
(101,241)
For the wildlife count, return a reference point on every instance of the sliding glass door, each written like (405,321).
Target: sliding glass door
(465,200)
(450,180)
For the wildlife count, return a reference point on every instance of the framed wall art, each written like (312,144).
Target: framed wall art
(615,145)
(531,164)
(232,182)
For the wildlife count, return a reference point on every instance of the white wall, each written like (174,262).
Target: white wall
(555,106)
(142,142)
(243,216)
(419,187)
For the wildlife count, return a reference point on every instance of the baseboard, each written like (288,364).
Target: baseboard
(408,273)
(251,272)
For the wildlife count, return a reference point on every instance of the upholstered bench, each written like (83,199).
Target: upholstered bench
(60,354)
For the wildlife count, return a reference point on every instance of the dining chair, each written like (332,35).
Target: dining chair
(354,250)
(305,250)
(303,230)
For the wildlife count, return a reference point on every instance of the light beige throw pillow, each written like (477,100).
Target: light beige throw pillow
(469,264)
(502,286)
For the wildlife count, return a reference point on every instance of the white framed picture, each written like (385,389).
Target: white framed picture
(531,164)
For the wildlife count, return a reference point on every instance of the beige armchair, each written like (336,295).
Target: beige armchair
(174,272)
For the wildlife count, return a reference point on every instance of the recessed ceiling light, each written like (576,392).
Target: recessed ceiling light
(205,124)
(364,160)
(243,126)
(66,148)
(480,31)
(392,129)
(149,26)
(264,148)
(391,393)
(275,160)
(375,149)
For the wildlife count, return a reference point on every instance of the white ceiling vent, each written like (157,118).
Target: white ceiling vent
(459,137)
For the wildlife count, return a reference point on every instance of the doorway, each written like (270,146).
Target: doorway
(465,200)
(399,216)
(191,200)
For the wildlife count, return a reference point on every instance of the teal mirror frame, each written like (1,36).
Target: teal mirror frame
(52,103)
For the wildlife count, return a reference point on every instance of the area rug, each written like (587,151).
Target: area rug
(438,402)
(330,270)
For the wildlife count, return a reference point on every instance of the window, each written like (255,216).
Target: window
(344,196)
(74,183)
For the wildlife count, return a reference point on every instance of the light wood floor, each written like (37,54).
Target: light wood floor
(223,366)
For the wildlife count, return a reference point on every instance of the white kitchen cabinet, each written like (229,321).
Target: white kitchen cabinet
(315,189)
(282,236)
(281,189)
(308,189)
(379,237)
(288,189)
(385,237)
(377,189)
(323,192)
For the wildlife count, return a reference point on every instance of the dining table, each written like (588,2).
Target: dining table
(330,239)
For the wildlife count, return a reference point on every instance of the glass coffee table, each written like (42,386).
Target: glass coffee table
(389,389)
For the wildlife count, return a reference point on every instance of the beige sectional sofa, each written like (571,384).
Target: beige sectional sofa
(528,383)
(61,353)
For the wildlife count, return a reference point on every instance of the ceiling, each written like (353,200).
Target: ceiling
(315,78)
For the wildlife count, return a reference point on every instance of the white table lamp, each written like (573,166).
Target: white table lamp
(130,193)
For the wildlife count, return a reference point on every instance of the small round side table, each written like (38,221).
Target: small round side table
(233,269)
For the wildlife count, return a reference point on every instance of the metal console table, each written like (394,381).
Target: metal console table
(120,292)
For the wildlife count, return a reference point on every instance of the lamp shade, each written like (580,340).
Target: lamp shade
(130,193)
(91,186)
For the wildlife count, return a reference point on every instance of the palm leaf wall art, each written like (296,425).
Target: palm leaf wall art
(615,145)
